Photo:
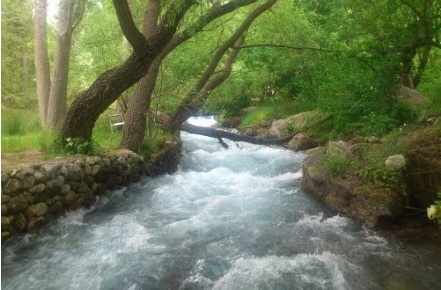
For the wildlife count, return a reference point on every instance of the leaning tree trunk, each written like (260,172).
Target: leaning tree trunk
(58,92)
(135,119)
(88,105)
(42,71)
(104,91)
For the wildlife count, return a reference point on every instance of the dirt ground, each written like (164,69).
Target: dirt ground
(20,160)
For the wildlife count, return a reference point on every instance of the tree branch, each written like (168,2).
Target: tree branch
(128,27)
(293,47)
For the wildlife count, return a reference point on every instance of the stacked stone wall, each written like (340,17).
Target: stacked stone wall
(34,195)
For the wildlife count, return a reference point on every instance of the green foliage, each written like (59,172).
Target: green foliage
(371,166)
(337,165)
(17,67)
(153,141)
(379,175)
(19,122)
(79,146)
(276,110)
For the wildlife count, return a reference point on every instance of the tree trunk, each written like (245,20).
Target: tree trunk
(88,105)
(135,122)
(135,119)
(58,92)
(42,72)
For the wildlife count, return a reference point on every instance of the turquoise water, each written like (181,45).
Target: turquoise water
(227,219)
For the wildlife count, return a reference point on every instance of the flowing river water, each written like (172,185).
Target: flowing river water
(227,219)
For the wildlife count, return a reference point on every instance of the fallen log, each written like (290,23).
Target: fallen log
(219,134)
(162,118)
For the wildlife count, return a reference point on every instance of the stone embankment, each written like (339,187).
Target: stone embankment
(34,195)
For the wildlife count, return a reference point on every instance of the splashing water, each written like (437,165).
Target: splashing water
(228,219)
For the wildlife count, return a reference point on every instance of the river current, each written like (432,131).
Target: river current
(227,219)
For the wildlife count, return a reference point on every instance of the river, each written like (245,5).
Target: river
(227,219)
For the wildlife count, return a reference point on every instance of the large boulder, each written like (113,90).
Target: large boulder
(372,206)
(301,142)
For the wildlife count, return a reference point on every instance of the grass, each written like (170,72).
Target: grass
(21,131)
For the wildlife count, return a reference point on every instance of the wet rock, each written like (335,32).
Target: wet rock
(395,162)
(17,204)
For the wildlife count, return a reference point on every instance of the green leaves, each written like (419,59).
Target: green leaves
(79,146)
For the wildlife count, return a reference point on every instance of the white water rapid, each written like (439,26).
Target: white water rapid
(227,219)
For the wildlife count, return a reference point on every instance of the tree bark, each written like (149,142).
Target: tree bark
(58,91)
(135,119)
(135,122)
(88,105)
(42,71)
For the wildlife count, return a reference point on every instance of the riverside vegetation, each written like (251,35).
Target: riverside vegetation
(344,60)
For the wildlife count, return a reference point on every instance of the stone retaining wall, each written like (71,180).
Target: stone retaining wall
(32,196)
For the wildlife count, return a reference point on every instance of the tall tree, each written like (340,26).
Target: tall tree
(135,120)
(42,72)
(56,109)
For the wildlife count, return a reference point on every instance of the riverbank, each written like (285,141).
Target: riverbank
(36,191)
